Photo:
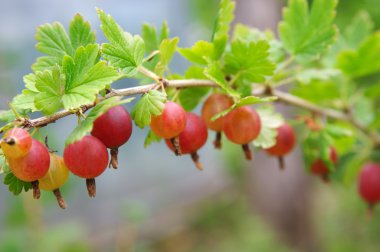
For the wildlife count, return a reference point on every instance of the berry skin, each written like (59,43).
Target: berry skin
(215,104)
(285,142)
(16,143)
(241,126)
(320,168)
(113,128)
(87,158)
(192,138)
(34,165)
(369,183)
(55,178)
(171,122)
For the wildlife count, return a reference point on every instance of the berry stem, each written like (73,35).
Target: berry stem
(370,211)
(218,140)
(36,190)
(114,162)
(195,158)
(247,152)
(60,200)
(91,187)
(177,147)
(281,163)
(325,178)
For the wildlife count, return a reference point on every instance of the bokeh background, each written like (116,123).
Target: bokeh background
(155,201)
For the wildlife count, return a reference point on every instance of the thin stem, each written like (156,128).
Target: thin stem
(148,73)
(282,96)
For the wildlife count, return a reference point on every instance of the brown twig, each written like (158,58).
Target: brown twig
(282,96)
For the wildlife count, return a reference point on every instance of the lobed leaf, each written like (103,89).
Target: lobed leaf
(250,61)
(306,33)
(124,51)
(151,103)
(167,49)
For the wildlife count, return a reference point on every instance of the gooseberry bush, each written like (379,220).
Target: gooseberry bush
(330,78)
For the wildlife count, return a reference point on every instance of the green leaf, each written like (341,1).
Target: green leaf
(224,19)
(248,34)
(151,138)
(249,61)
(167,50)
(214,72)
(198,53)
(124,51)
(149,35)
(364,61)
(53,41)
(86,125)
(358,30)
(80,32)
(15,185)
(270,121)
(307,33)
(151,103)
(310,74)
(3,164)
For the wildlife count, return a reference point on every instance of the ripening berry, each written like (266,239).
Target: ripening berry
(369,184)
(87,158)
(113,128)
(215,104)
(241,126)
(16,143)
(192,138)
(170,123)
(285,142)
(55,178)
(320,168)
(34,165)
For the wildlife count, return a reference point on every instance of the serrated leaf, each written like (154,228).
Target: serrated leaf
(80,32)
(364,61)
(248,34)
(310,74)
(306,33)
(15,185)
(85,126)
(149,35)
(151,103)
(198,52)
(78,82)
(214,72)
(270,121)
(224,19)
(249,61)
(151,138)
(124,51)
(53,40)
(167,49)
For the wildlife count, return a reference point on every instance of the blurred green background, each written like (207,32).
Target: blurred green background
(156,202)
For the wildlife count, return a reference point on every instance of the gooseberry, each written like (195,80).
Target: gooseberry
(16,143)
(87,158)
(213,105)
(241,126)
(113,128)
(192,138)
(319,167)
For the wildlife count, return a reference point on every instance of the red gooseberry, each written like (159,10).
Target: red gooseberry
(87,158)
(192,138)
(113,128)
(213,105)
(241,126)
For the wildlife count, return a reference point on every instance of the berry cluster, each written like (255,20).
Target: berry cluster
(184,133)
